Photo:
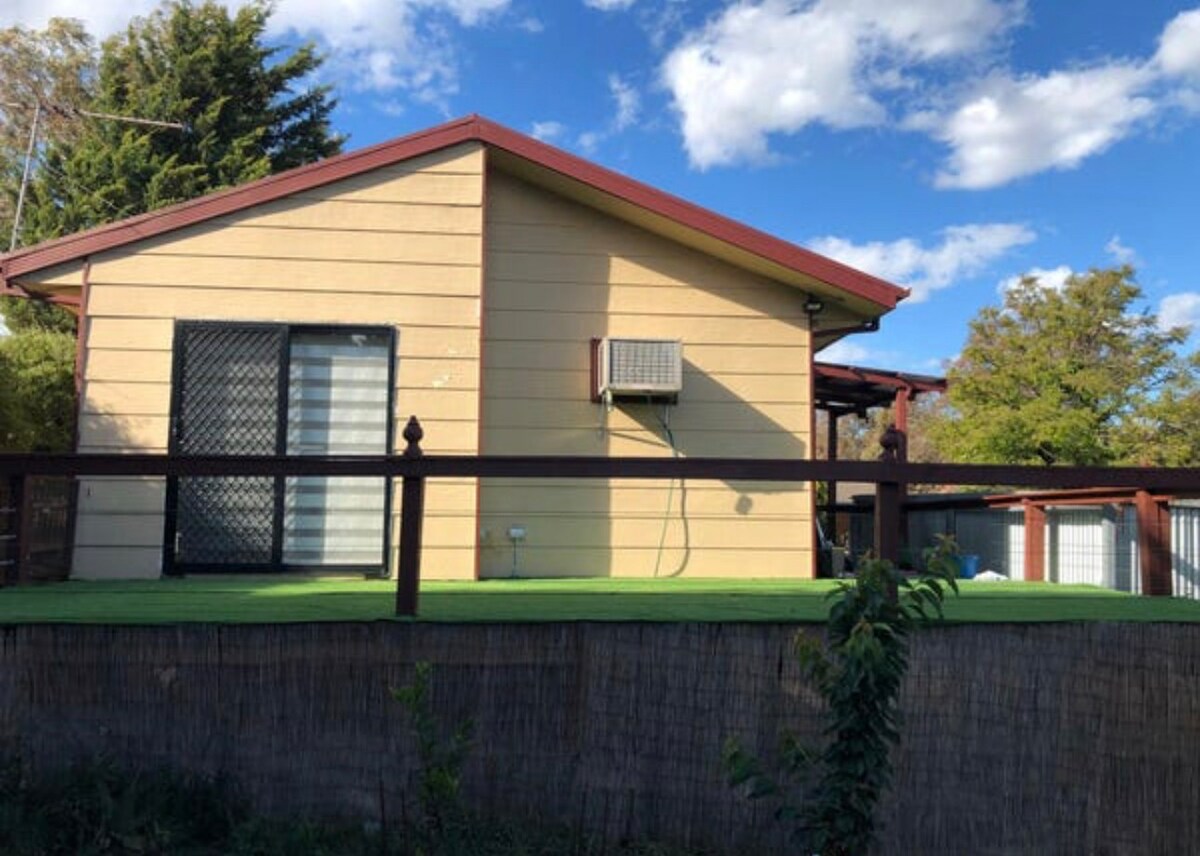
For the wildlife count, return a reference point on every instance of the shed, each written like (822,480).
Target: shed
(463,274)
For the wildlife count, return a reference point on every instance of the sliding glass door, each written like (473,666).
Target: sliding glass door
(266,389)
(337,405)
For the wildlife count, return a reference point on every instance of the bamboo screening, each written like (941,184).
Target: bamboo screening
(1050,738)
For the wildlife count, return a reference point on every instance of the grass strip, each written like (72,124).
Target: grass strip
(281,600)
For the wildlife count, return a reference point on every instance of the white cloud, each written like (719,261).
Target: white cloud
(629,102)
(1120,253)
(1179,310)
(387,45)
(1013,127)
(846,352)
(391,107)
(609,5)
(381,45)
(531,25)
(774,66)
(3,328)
(764,67)
(963,251)
(1179,45)
(589,141)
(1053,278)
(548,131)
(102,17)
(1178,59)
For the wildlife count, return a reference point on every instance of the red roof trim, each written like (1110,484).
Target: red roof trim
(472,128)
(879,377)
(76,246)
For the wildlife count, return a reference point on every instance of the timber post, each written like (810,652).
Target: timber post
(10,515)
(412,513)
(888,500)
(1154,543)
(1035,542)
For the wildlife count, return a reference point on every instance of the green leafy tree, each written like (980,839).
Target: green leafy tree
(1167,434)
(245,109)
(858,438)
(56,69)
(242,104)
(37,392)
(1060,376)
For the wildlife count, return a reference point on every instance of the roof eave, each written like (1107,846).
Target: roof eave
(874,291)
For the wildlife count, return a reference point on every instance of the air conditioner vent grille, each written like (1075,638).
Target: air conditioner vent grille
(641,366)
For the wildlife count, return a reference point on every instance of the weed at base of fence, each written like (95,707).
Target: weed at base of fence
(858,671)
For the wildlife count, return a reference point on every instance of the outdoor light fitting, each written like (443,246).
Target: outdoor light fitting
(813,305)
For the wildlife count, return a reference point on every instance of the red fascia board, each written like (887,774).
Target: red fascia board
(471,128)
(891,380)
(1080,496)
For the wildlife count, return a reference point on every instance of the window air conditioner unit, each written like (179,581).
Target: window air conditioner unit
(639,368)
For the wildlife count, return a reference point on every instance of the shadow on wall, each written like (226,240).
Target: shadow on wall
(713,421)
(560,275)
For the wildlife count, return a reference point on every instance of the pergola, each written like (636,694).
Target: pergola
(842,390)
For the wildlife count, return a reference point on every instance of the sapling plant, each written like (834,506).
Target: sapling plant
(829,792)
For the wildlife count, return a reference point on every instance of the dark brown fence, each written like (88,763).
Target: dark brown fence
(1153,486)
(36,516)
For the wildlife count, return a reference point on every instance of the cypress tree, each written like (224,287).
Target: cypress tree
(244,111)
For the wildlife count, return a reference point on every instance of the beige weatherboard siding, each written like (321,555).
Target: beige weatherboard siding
(496,260)
(399,246)
(559,273)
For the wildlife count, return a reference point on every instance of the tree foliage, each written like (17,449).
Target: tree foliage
(858,438)
(246,109)
(1167,434)
(54,67)
(37,392)
(1070,376)
(242,105)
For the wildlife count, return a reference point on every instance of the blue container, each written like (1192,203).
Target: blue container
(968,566)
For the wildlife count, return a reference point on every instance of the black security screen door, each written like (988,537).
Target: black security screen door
(261,389)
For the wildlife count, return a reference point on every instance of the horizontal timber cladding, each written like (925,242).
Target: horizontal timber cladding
(559,274)
(400,246)
(1038,738)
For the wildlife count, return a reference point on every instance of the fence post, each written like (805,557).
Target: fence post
(887,521)
(20,528)
(412,512)
(1154,543)
(9,513)
(888,500)
(1035,543)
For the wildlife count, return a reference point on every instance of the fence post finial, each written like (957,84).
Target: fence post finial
(890,441)
(413,433)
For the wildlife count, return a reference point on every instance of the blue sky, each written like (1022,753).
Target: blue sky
(946,145)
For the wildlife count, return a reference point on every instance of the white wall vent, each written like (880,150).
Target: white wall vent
(639,368)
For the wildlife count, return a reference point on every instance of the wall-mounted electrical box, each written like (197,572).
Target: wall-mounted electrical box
(637,368)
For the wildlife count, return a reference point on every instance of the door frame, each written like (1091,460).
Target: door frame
(276,565)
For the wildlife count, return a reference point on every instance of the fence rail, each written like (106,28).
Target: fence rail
(414,467)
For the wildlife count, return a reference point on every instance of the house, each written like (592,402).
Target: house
(461,274)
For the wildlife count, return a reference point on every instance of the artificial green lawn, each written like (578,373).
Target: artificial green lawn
(264,600)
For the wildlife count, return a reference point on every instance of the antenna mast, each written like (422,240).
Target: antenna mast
(33,130)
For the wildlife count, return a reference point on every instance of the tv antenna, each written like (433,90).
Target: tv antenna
(38,106)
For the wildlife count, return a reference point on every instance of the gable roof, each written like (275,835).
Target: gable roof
(874,291)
